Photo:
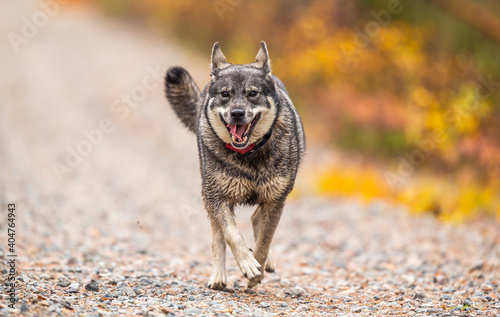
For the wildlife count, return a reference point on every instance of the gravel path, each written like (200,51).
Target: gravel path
(121,230)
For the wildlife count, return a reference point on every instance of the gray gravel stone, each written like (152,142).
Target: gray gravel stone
(129,292)
(24,308)
(468,302)
(63,282)
(73,288)
(192,311)
(487,298)
(92,286)
(356,309)
(117,294)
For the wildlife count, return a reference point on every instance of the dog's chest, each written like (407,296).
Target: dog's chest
(258,188)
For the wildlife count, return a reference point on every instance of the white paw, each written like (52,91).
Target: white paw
(218,280)
(250,267)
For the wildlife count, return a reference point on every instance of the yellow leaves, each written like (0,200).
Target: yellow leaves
(419,199)
(459,115)
(423,98)
(467,110)
(436,121)
(404,44)
(450,200)
(365,183)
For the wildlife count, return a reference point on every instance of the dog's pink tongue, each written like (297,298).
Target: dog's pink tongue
(237,130)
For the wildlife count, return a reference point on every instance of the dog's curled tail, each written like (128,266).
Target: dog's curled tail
(184,96)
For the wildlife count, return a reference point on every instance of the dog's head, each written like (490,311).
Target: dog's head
(242,98)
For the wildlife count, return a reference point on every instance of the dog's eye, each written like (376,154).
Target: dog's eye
(224,94)
(253,93)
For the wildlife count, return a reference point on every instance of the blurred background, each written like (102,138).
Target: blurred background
(401,105)
(405,93)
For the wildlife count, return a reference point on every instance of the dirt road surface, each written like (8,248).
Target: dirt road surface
(108,215)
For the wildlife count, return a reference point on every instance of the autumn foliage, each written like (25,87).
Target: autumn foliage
(410,89)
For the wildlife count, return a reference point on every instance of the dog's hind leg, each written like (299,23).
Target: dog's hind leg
(218,279)
(270,217)
(258,219)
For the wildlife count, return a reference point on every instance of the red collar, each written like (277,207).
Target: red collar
(241,151)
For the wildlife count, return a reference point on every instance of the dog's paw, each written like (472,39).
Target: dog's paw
(217,281)
(216,285)
(270,263)
(250,267)
(254,282)
(270,266)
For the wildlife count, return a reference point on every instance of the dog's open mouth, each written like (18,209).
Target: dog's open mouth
(240,133)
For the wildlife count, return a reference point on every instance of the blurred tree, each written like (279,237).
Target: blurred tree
(381,77)
(469,12)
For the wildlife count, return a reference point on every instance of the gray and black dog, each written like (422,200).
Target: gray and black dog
(250,142)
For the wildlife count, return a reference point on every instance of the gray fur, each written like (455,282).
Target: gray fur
(184,96)
(227,180)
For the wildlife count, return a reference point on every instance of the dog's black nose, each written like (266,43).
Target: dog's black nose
(237,114)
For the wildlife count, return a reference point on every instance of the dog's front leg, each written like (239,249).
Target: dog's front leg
(218,278)
(223,217)
(270,215)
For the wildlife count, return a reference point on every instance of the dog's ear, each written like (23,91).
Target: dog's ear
(262,60)
(218,59)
